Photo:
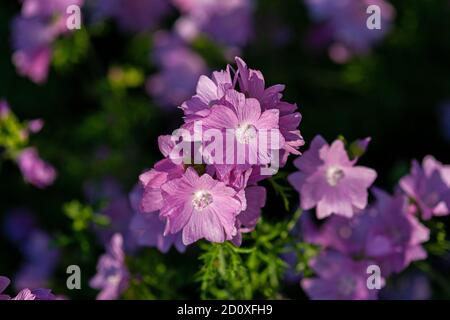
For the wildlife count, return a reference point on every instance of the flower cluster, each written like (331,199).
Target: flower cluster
(330,180)
(386,235)
(227,22)
(40,257)
(343,25)
(215,200)
(40,23)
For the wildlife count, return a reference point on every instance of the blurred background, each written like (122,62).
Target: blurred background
(111,90)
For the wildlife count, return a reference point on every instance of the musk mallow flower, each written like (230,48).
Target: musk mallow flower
(152,180)
(201,207)
(338,277)
(255,197)
(328,179)
(35,170)
(227,22)
(213,91)
(344,25)
(180,69)
(112,276)
(250,126)
(33,33)
(32,39)
(429,186)
(385,233)
(25,294)
(40,261)
(4,109)
(395,237)
(252,83)
(148,228)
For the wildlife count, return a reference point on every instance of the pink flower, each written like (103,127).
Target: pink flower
(112,274)
(4,109)
(180,69)
(211,92)
(342,24)
(338,278)
(429,187)
(34,170)
(395,237)
(200,206)
(148,228)
(152,180)
(227,22)
(25,294)
(249,123)
(329,180)
(246,221)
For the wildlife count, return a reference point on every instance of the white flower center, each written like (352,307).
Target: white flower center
(334,175)
(245,133)
(201,200)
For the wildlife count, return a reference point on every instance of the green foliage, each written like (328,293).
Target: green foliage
(69,51)
(438,244)
(83,216)
(153,278)
(256,271)
(13,134)
(282,188)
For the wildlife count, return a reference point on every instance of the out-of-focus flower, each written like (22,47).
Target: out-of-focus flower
(40,261)
(342,24)
(228,22)
(25,294)
(134,15)
(19,224)
(4,109)
(385,233)
(117,209)
(36,125)
(40,258)
(200,206)
(112,274)
(329,180)
(429,186)
(35,170)
(395,237)
(148,228)
(338,278)
(180,69)
(410,286)
(33,33)
(255,197)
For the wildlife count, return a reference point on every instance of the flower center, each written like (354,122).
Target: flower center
(245,133)
(201,200)
(334,175)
